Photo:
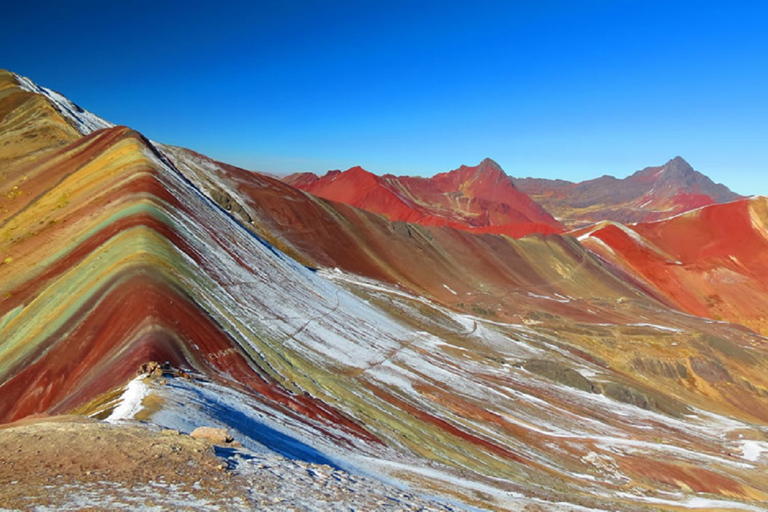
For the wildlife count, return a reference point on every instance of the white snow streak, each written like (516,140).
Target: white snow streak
(85,122)
(752,450)
(130,402)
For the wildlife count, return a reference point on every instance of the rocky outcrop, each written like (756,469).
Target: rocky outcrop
(559,373)
(659,368)
(648,400)
(231,205)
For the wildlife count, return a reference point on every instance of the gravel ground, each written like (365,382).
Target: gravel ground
(71,463)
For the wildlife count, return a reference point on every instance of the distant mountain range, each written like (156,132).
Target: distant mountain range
(489,342)
(651,194)
(481,199)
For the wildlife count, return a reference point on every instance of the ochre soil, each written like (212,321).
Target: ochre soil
(45,462)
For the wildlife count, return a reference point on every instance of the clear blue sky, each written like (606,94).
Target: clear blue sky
(558,89)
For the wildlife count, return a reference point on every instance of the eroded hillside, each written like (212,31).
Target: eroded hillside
(475,368)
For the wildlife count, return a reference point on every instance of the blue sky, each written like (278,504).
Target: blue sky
(557,89)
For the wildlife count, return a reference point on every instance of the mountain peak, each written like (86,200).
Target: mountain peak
(490,162)
(678,166)
(674,170)
(487,168)
(357,170)
(678,177)
(489,165)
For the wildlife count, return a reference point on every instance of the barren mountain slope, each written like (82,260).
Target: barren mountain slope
(480,199)
(651,194)
(709,262)
(478,369)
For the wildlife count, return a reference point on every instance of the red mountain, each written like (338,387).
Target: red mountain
(709,262)
(651,194)
(480,199)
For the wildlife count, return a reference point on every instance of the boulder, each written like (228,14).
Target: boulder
(213,435)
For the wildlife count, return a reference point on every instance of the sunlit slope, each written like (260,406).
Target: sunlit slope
(117,263)
(29,125)
(650,194)
(495,275)
(506,373)
(710,262)
(593,322)
(480,199)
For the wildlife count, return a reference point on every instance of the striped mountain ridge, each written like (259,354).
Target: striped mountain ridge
(500,373)
(124,290)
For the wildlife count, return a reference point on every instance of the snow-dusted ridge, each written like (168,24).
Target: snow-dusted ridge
(450,400)
(82,120)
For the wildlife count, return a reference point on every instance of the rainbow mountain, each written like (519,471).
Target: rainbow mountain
(618,366)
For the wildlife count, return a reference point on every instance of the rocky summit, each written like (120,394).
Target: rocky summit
(651,194)
(180,333)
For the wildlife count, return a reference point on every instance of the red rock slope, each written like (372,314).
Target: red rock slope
(653,193)
(481,199)
(709,262)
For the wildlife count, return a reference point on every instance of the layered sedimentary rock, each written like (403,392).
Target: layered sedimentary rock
(503,373)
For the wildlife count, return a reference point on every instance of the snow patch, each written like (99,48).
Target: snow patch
(130,401)
(752,450)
